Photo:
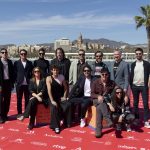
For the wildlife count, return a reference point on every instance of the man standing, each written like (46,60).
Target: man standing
(23,72)
(76,68)
(62,62)
(98,64)
(120,71)
(6,84)
(140,71)
(42,63)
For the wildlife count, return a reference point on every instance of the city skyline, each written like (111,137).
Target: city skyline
(44,21)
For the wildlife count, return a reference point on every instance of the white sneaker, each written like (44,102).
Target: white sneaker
(129,128)
(82,123)
(147,125)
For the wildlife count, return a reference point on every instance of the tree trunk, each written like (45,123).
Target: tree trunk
(148,46)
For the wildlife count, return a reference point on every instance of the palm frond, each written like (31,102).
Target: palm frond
(144,10)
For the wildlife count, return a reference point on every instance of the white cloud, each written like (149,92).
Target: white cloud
(74,21)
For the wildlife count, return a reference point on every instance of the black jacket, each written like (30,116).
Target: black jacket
(146,66)
(78,88)
(10,70)
(64,66)
(20,72)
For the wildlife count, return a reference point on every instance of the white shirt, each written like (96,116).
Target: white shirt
(138,78)
(24,65)
(87,87)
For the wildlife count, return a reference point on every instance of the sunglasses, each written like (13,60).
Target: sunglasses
(98,56)
(23,54)
(86,71)
(41,54)
(81,54)
(118,92)
(104,74)
(36,71)
(4,52)
(138,53)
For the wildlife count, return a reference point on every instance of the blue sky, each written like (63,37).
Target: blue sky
(44,21)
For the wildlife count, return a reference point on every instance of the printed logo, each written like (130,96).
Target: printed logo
(53,136)
(39,143)
(19,141)
(77,131)
(77,139)
(59,146)
(29,133)
(14,130)
(131,138)
(126,147)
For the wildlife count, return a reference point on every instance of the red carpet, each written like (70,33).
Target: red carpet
(15,136)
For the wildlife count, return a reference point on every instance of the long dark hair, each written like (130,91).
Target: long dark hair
(115,99)
(60,49)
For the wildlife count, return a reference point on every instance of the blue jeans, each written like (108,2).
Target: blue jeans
(136,90)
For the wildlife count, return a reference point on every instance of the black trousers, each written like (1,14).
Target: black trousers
(62,111)
(136,90)
(31,110)
(84,103)
(20,90)
(129,118)
(5,96)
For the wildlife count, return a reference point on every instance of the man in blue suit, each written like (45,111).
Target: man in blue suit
(23,73)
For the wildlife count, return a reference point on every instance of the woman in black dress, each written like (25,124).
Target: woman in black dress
(60,108)
(37,88)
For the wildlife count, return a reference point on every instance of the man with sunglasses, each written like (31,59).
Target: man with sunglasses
(101,89)
(6,84)
(140,77)
(81,94)
(23,73)
(42,63)
(98,64)
(76,68)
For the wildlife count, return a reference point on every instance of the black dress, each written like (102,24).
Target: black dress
(63,109)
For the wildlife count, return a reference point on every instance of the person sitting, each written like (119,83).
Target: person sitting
(81,93)
(121,110)
(60,108)
(37,88)
(101,89)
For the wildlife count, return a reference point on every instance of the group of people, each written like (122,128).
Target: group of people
(64,86)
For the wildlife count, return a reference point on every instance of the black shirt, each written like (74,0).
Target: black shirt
(116,65)
(43,65)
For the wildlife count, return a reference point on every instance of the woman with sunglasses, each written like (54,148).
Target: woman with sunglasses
(37,88)
(121,110)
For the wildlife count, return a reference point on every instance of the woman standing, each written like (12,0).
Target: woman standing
(37,88)
(60,108)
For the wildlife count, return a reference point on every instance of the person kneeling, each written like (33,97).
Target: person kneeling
(121,111)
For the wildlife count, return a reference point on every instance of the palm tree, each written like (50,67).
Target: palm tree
(145,21)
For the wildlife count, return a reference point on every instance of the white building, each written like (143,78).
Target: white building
(63,43)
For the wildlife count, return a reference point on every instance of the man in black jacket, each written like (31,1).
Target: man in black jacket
(6,84)
(62,62)
(140,72)
(23,73)
(42,63)
(81,93)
